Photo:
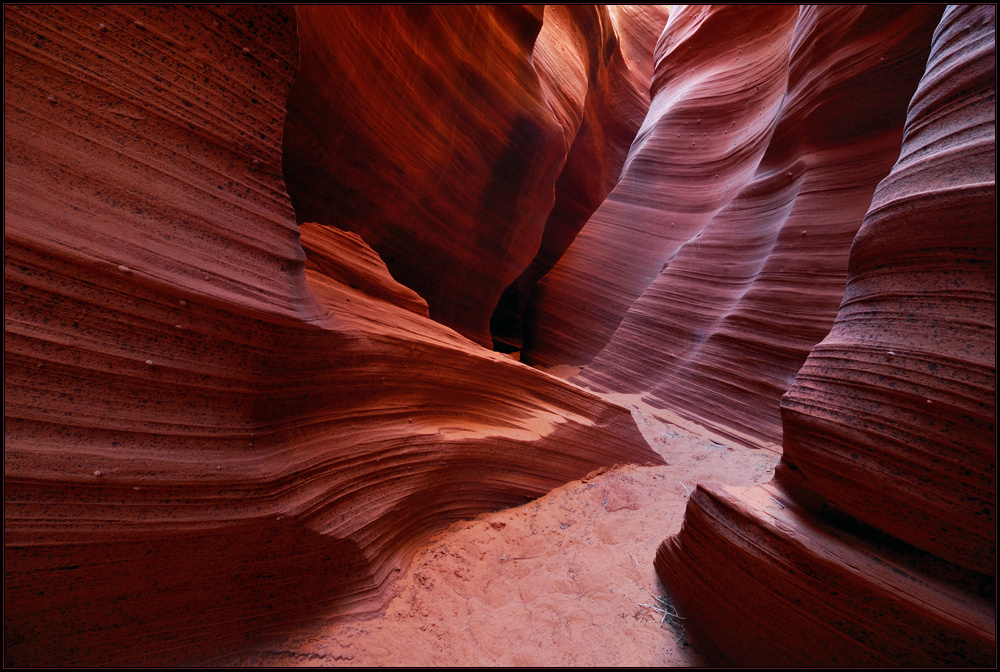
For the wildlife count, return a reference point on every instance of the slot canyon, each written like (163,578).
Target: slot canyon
(500,335)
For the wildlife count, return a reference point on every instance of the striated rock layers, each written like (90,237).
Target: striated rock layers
(219,423)
(599,103)
(720,259)
(208,430)
(876,541)
(699,91)
(465,144)
(893,417)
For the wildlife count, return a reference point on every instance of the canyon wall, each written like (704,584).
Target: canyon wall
(876,541)
(253,254)
(216,424)
(465,144)
(674,178)
(600,127)
(720,258)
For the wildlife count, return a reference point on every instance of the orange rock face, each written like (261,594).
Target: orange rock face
(893,418)
(876,542)
(252,256)
(673,180)
(210,432)
(727,317)
(463,142)
(757,201)
(342,256)
(762,581)
(600,102)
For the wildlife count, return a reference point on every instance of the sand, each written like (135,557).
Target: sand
(566,579)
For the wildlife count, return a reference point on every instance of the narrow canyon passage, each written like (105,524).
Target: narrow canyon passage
(499,335)
(565,580)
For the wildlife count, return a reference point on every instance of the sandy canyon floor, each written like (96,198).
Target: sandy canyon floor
(566,579)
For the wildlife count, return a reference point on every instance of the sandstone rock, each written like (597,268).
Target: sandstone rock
(205,440)
(893,417)
(438,134)
(343,257)
(220,425)
(600,102)
(792,589)
(674,178)
(722,329)
(875,543)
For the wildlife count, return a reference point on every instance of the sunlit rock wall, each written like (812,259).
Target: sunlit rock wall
(876,542)
(720,259)
(732,315)
(462,142)
(213,426)
(600,98)
(719,80)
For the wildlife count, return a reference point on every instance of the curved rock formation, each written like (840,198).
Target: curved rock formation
(876,542)
(674,180)
(208,432)
(439,133)
(343,257)
(892,420)
(219,424)
(763,582)
(747,183)
(610,75)
(735,310)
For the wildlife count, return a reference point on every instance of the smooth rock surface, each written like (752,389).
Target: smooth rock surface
(730,317)
(448,136)
(227,435)
(610,81)
(342,256)
(795,590)
(205,440)
(893,417)
(675,178)
(876,540)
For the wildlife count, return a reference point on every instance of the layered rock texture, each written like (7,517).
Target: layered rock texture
(876,542)
(252,256)
(214,427)
(466,145)
(600,114)
(893,417)
(750,178)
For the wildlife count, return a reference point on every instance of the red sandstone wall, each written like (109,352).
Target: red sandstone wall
(463,142)
(217,422)
(732,315)
(749,272)
(876,541)
(893,418)
(210,432)
(600,101)
(698,145)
